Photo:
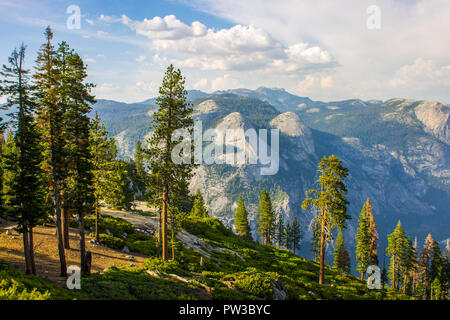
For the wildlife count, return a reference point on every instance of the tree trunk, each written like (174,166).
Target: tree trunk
(62,255)
(362,275)
(164,224)
(322,253)
(173,246)
(97,217)
(393,274)
(82,243)
(65,225)
(26,252)
(31,251)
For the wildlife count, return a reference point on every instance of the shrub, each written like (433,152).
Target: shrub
(111,241)
(166,266)
(14,285)
(258,284)
(147,247)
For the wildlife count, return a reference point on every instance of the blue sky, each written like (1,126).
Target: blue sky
(321,49)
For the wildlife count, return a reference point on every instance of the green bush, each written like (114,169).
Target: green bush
(111,241)
(14,285)
(147,247)
(166,266)
(258,284)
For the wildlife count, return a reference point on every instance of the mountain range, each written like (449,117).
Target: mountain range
(397,152)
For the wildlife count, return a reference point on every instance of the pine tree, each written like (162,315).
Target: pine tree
(366,239)
(363,241)
(52,125)
(139,162)
(315,240)
(199,208)
(373,233)
(296,234)
(26,190)
(436,272)
(241,221)
(118,193)
(103,152)
(424,264)
(396,249)
(3,213)
(330,200)
(341,255)
(279,231)
(409,265)
(78,102)
(174,113)
(266,218)
(288,239)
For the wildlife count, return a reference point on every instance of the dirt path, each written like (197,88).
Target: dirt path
(47,258)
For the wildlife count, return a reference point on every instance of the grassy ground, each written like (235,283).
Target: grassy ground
(226,268)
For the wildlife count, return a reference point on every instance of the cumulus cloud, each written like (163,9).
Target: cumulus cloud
(168,28)
(241,47)
(225,82)
(421,72)
(313,83)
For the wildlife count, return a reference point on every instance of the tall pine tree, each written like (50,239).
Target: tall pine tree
(341,255)
(330,200)
(266,218)
(51,118)
(241,221)
(26,190)
(174,113)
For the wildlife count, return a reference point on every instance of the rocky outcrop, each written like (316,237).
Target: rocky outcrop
(435,118)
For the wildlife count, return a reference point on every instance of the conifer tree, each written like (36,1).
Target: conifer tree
(288,235)
(330,200)
(341,255)
(266,218)
(279,231)
(139,161)
(373,257)
(241,221)
(396,249)
(51,117)
(118,193)
(363,241)
(174,113)
(26,189)
(199,208)
(296,234)
(103,152)
(436,272)
(424,264)
(315,240)
(78,100)
(409,265)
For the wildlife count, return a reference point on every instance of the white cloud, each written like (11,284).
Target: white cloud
(421,72)
(368,59)
(241,47)
(201,84)
(101,33)
(91,22)
(313,84)
(168,28)
(91,60)
(141,59)
(224,82)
